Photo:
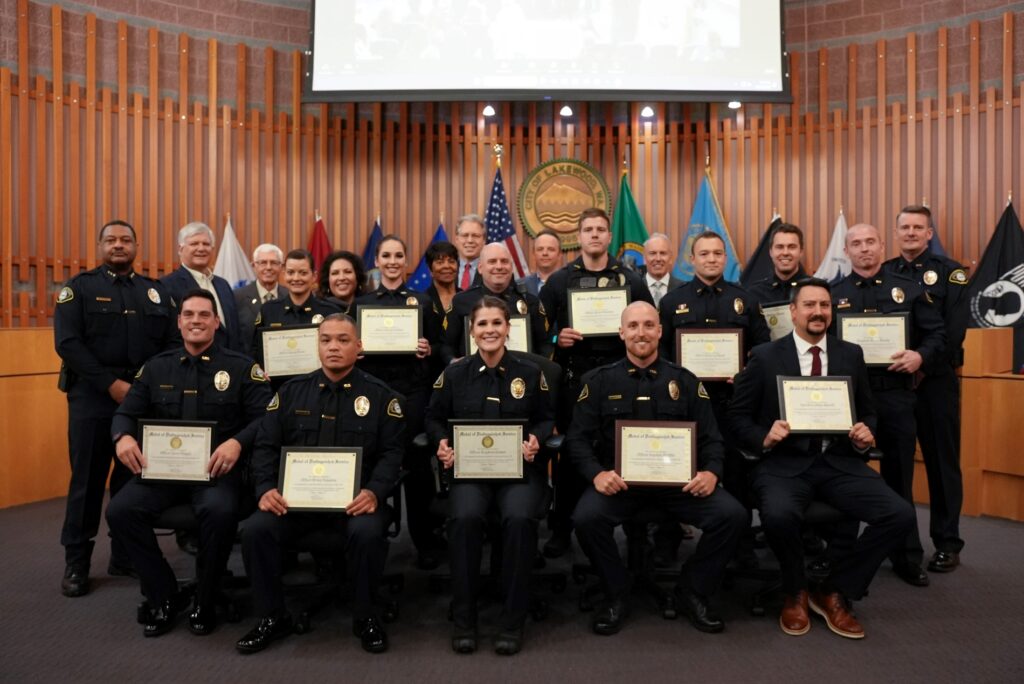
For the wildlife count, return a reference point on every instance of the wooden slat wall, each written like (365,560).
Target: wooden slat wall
(80,154)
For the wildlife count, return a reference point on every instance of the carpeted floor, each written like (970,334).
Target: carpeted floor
(966,627)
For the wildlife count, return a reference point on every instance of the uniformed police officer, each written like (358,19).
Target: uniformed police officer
(786,250)
(593,268)
(337,405)
(201,381)
(492,383)
(496,275)
(644,386)
(409,375)
(107,322)
(938,392)
(869,289)
(300,307)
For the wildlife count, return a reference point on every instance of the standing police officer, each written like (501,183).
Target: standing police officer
(786,250)
(108,321)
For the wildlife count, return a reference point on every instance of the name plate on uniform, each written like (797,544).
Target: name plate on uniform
(710,353)
(518,335)
(597,312)
(816,405)
(390,329)
(779,320)
(319,479)
(487,449)
(878,335)
(290,350)
(176,450)
(655,453)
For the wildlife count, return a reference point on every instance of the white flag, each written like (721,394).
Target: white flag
(232,263)
(835,265)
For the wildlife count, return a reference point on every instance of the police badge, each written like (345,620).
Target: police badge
(518,388)
(897,295)
(318,319)
(673,390)
(930,277)
(221,380)
(153,295)
(362,406)
(737,305)
(521,306)
(411,301)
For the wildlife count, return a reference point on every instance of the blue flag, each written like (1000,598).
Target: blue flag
(370,256)
(935,244)
(707,215)
(422,279)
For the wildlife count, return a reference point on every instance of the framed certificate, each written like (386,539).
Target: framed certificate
(596,312)
(878,335)
(290,350)
(319,479)
(390,329)
(818,405)
(655,453)
(710,353)
(487,449)
(176,450)
(779,320)
(518,335)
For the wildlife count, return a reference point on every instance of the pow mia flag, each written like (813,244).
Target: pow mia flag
(996,291)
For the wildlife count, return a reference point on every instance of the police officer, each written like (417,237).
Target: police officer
(938,392)
(786,250)
(869,289)
(409,375)
(644,386)
(107,322)
(337,405)
(594,268)
(201,381)
(492,383)
(496,276)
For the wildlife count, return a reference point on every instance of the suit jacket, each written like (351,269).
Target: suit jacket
(755,407)
(178,284)
(673,283)
(248,303)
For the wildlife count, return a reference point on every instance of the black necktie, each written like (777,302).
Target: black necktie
(190,395)
(643,405)
(492,402)
(328,417)
(816,442)
(870,303)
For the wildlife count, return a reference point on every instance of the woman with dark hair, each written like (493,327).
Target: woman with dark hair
(492,383)
(342,278)
(443,261)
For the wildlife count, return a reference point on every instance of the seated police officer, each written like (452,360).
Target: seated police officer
(492,383)
(643,386)
(201,381)
(337,405)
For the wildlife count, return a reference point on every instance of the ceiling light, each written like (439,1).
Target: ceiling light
(566,110)
(735,104)
(647,112)
(488,110)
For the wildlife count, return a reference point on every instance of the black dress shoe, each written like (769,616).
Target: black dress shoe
(697,609)
(202,620)
(268,629)
(609,617)
(508,641)
(557,545)
(161,618)
(911,573)
(76,581)
(464,640)
(371,634)
(944,561)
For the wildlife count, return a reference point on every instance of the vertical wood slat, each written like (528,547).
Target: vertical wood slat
(974,140)
(1007,105)
(6,199)
(296,148)
(239,210)
(958,175)
(41,203)
(184,50)
(226,181)
(912,121)
(24,147)
(941,160)
(75,180)
(270,226)
(153,144)
(58,197)
(90,140)
(213,160)
(137,172)
(851,128)
(122,119)
(990,191)
(879,206)
(167,196)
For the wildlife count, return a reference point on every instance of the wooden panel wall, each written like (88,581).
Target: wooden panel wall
(82,153)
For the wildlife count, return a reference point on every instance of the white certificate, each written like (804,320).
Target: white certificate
(390,329)
(816,404)
(488,452)
(176,451)
(597,311)
(779,320)
(710,354)
(657,453)
(319,478)
(878,335)
(290,350)
(518,335)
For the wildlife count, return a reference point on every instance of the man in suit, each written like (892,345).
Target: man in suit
(658,263)
(195,248)
(267,260)
(796,468)
(470,236)
(547,258)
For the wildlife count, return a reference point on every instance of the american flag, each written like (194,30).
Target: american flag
(500,227)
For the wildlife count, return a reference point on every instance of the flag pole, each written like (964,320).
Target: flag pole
(499,150)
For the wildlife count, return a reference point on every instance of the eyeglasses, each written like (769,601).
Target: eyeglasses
(261,264)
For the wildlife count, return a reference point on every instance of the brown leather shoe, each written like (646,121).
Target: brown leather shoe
(832,607)
(794,619)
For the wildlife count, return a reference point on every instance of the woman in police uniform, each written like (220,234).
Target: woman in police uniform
(495,384)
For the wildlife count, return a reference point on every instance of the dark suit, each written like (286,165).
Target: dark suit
(673,283)
(248,303)
(180,282)
(790,475)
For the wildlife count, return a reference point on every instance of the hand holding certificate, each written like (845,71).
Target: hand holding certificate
(655,453)
(488,449)
(822,404)
(595,312)
(390,329)
(324,479)
(710,353)
(290,350)
(176,451)
(880,336)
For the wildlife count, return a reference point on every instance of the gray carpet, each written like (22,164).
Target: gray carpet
(966,627)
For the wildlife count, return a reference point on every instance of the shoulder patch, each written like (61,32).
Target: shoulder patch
(584,393)
(275,403)
(543,382)
(139,374)
(395,409)
(701,392)
(958,277)
(439,383)
(66,295)
(257,374)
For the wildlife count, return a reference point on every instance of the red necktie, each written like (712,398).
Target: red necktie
(464,285)
(816,361)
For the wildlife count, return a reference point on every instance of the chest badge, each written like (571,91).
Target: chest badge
(930,277)
(153,295)
(603,281)
(673,390)
(518,388)
(362,406)
(318,319)
(897,295)
(737,305)
(221,380)
(411,301)
(521,307)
